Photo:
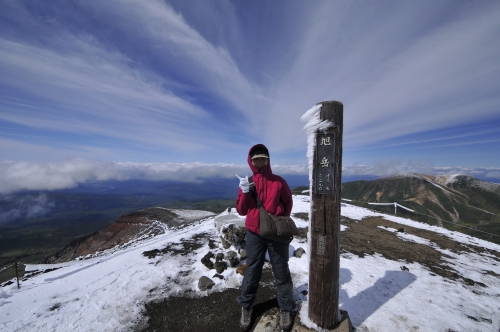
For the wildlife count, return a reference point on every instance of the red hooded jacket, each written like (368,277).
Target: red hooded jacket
(273,191)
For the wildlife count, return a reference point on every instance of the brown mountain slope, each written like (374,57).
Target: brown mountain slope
(457,202)
(129,227)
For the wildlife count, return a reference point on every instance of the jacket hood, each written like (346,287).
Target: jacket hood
(265,169)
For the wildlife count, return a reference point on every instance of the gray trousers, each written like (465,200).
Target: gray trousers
(278,254)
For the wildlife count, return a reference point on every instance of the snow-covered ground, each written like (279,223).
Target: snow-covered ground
(108,293)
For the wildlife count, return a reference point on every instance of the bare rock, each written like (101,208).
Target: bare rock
(243,254)
(231,254)
(299,252)
(212,244)
(234,262)
(225,244)
(233,235)
(220,267)
(207,261)
(205,283)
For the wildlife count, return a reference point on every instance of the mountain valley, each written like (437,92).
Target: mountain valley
(456,202)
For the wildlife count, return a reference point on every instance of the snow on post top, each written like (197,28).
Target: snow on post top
(313,124)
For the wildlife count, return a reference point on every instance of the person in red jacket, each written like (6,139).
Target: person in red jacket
(276,198)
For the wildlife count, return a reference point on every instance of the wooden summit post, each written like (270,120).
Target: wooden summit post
(16,264)
(325,219)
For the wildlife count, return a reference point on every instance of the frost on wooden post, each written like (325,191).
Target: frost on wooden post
(324,153)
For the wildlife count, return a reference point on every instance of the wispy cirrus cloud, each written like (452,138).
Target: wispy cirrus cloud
(99,96)
(202,81)
(405,70)
(78,84)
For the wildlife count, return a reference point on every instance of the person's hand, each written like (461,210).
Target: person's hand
(244,184)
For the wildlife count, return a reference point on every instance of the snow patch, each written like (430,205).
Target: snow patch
(108,293)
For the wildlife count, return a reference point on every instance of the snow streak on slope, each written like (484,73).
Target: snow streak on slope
(108,293)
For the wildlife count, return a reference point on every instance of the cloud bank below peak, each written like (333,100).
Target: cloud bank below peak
(66,174)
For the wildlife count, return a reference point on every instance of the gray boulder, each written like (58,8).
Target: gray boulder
(233,235)
(205,283)
(220,267)
(299,252)
(207,261)
(234,262)
(225,244)
(231,254)
(243,253)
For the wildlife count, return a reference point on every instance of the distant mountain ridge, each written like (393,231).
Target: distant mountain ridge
(448,201)
(460,199)
(462,180)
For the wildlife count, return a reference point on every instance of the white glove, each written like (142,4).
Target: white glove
(244,184)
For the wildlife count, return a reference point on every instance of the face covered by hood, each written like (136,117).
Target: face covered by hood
(264,169)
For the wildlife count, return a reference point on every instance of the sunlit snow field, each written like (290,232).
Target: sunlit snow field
(108,293)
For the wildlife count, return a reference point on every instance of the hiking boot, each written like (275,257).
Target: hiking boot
(285,320)
(246,319)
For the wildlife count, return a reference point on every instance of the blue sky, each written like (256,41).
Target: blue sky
(202,81)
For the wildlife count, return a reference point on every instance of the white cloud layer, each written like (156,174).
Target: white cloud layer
(16,176)
(69,173)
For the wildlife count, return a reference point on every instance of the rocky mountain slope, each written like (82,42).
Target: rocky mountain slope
(127,229)
(457,202)
(395,275)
